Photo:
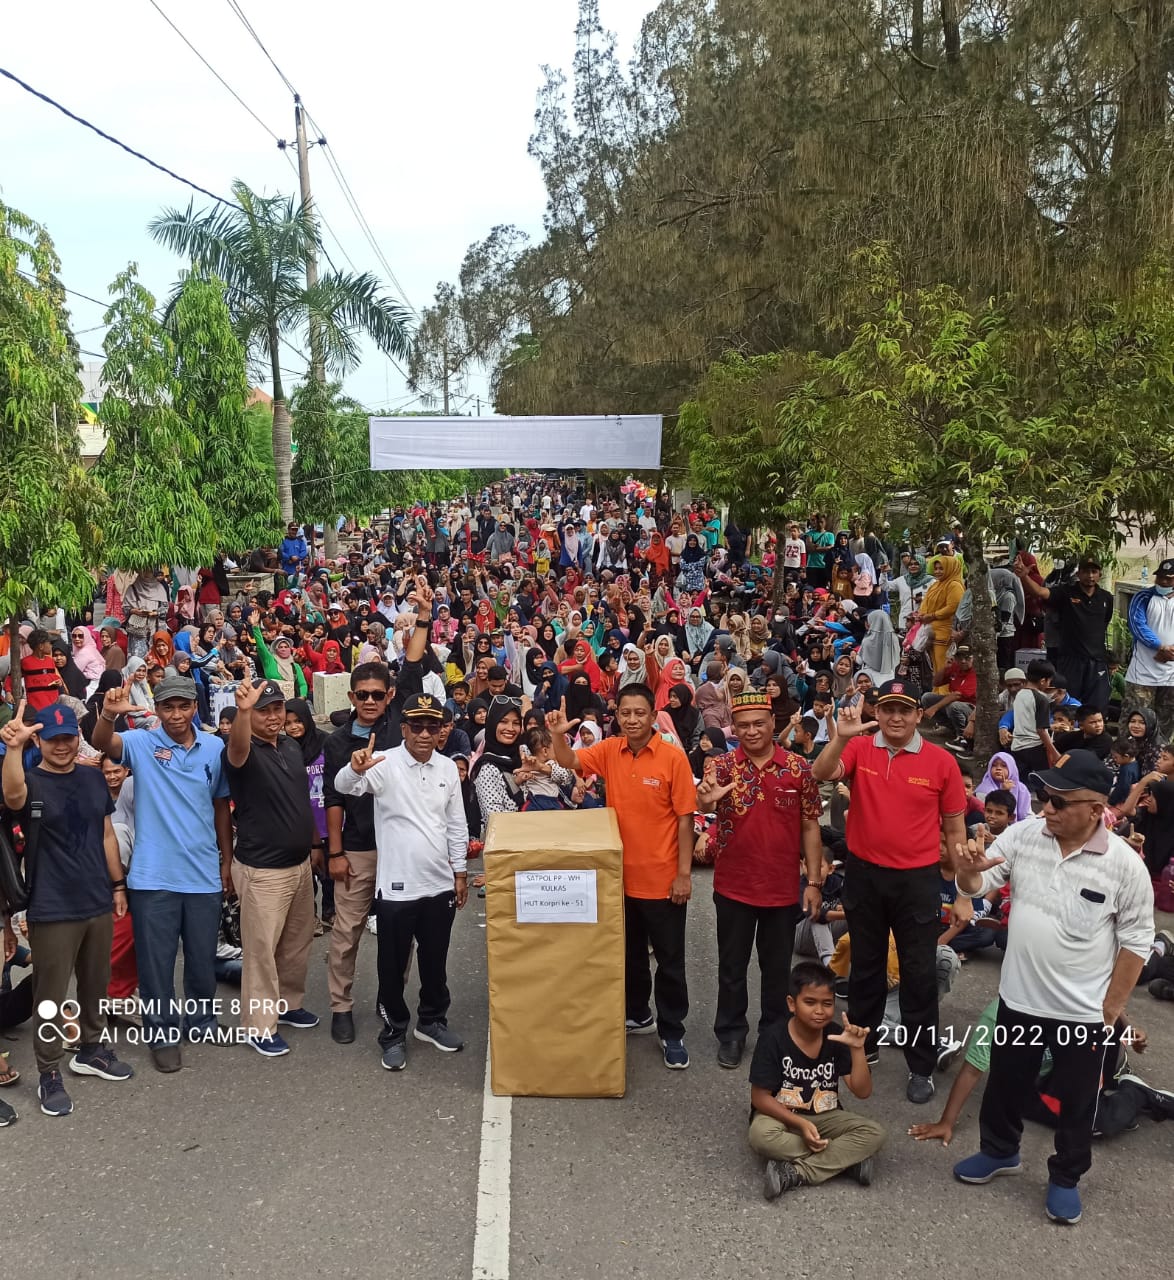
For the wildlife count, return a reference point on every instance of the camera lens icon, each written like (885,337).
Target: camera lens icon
(59,1022)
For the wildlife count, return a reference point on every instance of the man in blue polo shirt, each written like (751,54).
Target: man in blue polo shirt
(183,857)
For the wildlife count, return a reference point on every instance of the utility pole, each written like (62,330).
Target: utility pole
(445,377)
(317,362)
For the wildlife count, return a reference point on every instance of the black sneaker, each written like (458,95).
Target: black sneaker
(948,1053)
(297,1018)
(780,1176)
(99,1060)
(342,1027)
(729,1053)
(439,1034)
(395,1056)
(7,1115)
(872,1057)
(1162,989)
(920,1089)
(962,747)
(862,1171)
(52,1096)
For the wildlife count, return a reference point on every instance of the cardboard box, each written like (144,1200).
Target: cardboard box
(330,692)
(554,927)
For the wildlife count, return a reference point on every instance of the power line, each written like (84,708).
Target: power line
(213,70)
(28,88)
(248,26)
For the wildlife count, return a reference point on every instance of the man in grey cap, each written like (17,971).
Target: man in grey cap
(1149,681)
(183,856)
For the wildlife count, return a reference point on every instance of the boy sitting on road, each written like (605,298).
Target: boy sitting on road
(797,1122)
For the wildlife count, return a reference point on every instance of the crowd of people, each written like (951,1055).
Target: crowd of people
(768,709)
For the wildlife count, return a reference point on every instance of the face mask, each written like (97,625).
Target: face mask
(1163,591)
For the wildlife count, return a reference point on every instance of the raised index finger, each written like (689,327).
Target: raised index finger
(371,743)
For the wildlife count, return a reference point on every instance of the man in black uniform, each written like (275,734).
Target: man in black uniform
(1084,611)
(378,699)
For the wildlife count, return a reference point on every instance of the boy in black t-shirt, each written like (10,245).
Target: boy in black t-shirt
(796,1121)
(1089,735)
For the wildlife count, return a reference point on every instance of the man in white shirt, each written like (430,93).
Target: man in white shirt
(1149,681)
(421,839)
(1079,932)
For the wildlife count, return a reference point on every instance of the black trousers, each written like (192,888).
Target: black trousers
(1017,1050)
(16,1006)
(739,927)
(661,924)
(1088,681)
(907,903)
(428,923)
(1029,761)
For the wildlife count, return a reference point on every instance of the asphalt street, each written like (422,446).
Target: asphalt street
(323,1162)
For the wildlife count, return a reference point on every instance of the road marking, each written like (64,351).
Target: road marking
(491,1243)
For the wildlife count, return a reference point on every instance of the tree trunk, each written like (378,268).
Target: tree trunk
(14,658)
(951,34)
(983,641)
(283,457)
(918,32)
(330,537)
(780,582)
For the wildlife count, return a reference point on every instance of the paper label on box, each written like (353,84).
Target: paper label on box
(556,897)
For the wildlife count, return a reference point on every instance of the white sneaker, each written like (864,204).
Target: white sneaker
(372,925)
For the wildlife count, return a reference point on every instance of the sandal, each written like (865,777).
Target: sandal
(8,1075)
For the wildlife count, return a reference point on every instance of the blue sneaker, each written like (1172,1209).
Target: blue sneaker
(676,1056)
(297,1018)
(52,1096)
(980,1168)
(269,1046)
(1063,1205)
(99,1060)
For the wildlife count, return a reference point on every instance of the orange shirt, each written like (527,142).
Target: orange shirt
(649,792)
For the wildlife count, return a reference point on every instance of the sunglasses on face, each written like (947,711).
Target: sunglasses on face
(425,726)
(369,695)
(1059,803)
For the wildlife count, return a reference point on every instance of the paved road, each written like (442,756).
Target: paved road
(322,1162)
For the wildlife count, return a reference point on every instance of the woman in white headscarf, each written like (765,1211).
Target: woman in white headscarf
(880,651)
(633,665)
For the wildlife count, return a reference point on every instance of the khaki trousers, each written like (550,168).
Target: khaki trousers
(851,1138)
(277,928)
(60,950)
(352,906)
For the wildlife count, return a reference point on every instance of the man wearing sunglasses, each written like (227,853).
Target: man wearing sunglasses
(1079,932)
(377,699)
(422,838)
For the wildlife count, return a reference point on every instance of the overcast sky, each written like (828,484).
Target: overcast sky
(427,106)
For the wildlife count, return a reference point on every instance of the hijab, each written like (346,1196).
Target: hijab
(313,741)
(548,643)
(87,656)
(841,682)
(693,551)
(672,674)
(628,675)
(917,577)
(138,691)
(75,683)
(865,565)
(943,596)
(1017,789)
(697,632)
(505,758)
(686,718)
(582,656)
(881,650)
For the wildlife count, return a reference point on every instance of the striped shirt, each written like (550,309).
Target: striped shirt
(1069,919)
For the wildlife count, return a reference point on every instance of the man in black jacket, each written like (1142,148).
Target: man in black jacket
(377,698)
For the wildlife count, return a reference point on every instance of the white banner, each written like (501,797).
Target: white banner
(453,444)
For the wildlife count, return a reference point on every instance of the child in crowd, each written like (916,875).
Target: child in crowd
(1089,734)
(973,812)
(1124,760)
(796,1121)
(540,789)
(817,935)
(961,931)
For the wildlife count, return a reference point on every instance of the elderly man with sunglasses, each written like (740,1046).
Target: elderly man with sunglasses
(1080,929)
(377,700)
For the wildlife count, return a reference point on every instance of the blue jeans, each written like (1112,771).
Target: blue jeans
(161,918)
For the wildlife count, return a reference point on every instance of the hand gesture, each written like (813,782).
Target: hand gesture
(711,791)
(1019,569)
(117,702)
(810,1134)
(247,693)
(423,594)
(971,856)
(366,759)
(557,722)
(16,733)
(852,1036)
(850,722)
(795,719)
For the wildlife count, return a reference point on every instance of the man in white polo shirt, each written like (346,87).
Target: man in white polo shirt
(1080,929)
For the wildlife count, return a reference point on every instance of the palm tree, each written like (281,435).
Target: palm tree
(259,252)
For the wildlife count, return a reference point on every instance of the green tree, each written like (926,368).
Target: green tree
(259,251)
(51,509)
(210,390)
(150,467)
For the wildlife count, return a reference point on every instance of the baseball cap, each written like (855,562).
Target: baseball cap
(270,693)
(963,651)
(175,686)
(1166,569)
(1014,673)
(423,706)
(1088,562)
(897,691)
(57,721)
(1076,771)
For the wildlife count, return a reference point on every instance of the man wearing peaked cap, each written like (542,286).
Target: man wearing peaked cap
(77,890)
(1149,681)
(1078,936)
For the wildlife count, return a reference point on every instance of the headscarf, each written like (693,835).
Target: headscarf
(76,684)
(153,659)
(1148,747)
(692,551)
(548,645)
(628,675)
(945,594)
(88,657)
(842,551)
(582,656)
(506,758)
(313,741)
(840,682)
(918,577)
(547,698)
(865,565)
(332,657)
(881,650)
(686,718)
(697,633)
(672,674)
(1017,789)
(138,691)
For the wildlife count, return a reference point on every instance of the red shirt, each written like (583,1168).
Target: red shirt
(899,801)
(963,683)
(758,843)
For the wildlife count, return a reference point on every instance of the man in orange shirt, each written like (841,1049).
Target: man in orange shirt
(650,786)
